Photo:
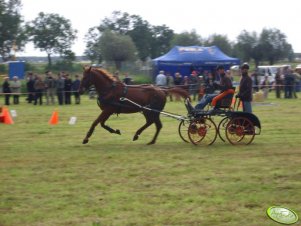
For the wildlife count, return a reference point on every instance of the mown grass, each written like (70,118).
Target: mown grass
(49,178)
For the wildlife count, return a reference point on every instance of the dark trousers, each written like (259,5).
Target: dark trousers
(278,92)
(77,97)
(7,96)
(60,96)
(38,96)
(67,97)
(288,89)
(30,97)
(16,99)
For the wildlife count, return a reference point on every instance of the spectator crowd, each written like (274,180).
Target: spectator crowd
(56,89)
(286,84)
(61,87)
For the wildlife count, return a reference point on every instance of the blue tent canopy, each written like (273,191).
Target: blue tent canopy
(185,59)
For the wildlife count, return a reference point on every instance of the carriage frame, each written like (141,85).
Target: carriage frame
(236,127)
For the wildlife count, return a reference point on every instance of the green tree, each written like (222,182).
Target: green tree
(221,41)
(248,47)
(161,40)
(12,36)
(93,51)
(274,45)
(53,34)
(119,22)
(149,40)
(141,35)
(117,48)
(186,39)
(125,24)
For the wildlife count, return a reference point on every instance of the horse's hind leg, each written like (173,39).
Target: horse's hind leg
(150,119)
(139,131)
(158,124)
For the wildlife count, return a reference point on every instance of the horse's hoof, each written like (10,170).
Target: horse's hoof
(85,141)
(135,137)
(118,132)
(150,143)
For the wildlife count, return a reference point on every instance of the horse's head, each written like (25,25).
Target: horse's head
(86,81)
(100,78)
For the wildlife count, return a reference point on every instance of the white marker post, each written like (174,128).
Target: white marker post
(72,120)
(13,113)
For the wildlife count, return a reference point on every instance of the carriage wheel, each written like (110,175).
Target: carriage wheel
(183,130)
(221,129)
(240,130)
(202,131)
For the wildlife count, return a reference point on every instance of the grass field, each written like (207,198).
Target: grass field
(49,178)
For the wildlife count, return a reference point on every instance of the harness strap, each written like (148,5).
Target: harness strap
(113,102)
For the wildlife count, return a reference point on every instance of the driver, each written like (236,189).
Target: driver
(224,85)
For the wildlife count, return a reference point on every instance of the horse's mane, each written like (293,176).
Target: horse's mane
(106,73)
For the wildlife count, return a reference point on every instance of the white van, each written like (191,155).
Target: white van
(270,71)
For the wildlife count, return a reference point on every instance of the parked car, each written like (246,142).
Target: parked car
(270,71)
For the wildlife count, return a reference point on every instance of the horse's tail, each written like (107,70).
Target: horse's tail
(177,91)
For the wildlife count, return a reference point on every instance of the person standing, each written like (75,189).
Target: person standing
(177,82)
(67,89)
(6,90)
(50,85)
(161,79)
(245,89)
(278,83)
(194,85)
(265,86)
(75,89)
(178,79)
(60,85)
(209,84)
(297,78)
(185,83)
(15,87)
(30,87)
(288,83)
(169,83)
(254,77)
(39,87)
(127,79)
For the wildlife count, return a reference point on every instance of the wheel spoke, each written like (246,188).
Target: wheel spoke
(202,131)
(240,130)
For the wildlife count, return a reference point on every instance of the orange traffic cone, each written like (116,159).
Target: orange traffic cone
(6,117)
(54,118)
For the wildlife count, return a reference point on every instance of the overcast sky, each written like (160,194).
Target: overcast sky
(226,17)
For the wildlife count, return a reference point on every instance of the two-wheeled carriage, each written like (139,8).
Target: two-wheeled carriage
(235,126)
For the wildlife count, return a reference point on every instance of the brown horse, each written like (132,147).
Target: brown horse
(110,91)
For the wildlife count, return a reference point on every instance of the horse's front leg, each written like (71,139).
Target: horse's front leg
(91,130)
(100,119)
(102,123)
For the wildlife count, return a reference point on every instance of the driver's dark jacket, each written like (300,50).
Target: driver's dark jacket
(245,88)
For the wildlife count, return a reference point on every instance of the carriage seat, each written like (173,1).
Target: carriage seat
(223,100)
(189,106)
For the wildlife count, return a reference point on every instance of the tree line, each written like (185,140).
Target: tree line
(124,37)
